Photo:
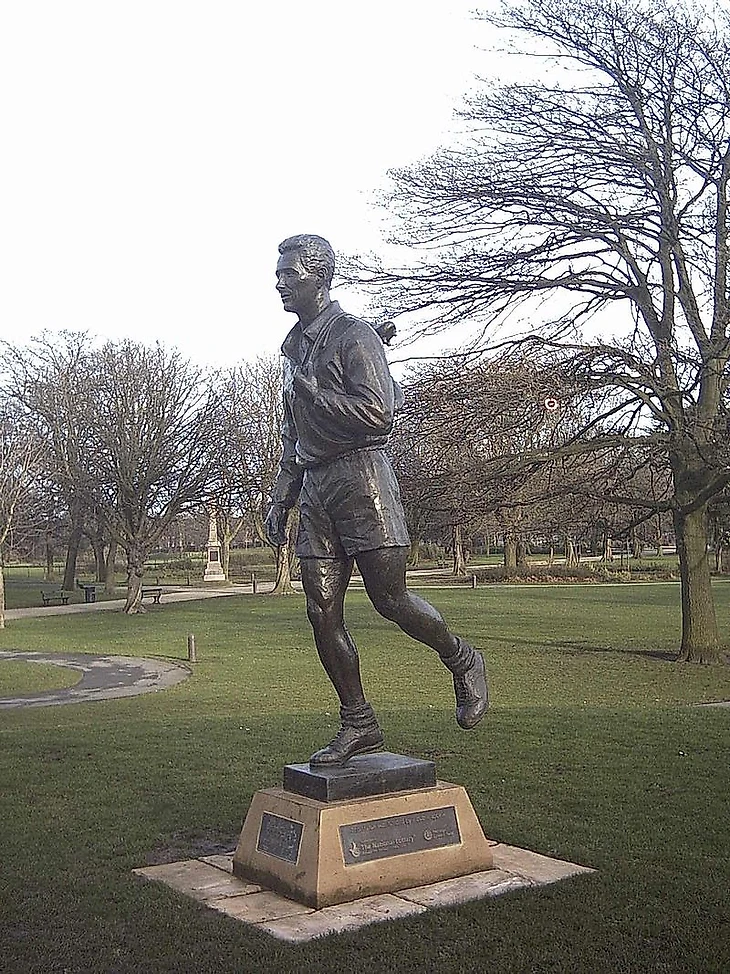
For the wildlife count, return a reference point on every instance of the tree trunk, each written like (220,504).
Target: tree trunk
(521,554)
(458,563)
(283,585)
(414,555)
(723,566)
(510,554)
(135,571)
(295,567)
(49,558)
(607,548)
(700,639)
(100,563)
(571,558)
(72,552)
(110,581)
(2,595)
(225,554)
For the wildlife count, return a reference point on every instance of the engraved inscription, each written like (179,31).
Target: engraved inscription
(279,837)
(398,834)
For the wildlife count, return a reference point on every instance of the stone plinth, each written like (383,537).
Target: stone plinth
(363,776)
(322,853)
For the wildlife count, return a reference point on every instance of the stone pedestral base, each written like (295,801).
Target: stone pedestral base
(322,853)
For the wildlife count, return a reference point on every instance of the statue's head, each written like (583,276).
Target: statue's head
(315,253)
(304,273)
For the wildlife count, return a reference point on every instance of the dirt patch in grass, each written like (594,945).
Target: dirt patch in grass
(191,844)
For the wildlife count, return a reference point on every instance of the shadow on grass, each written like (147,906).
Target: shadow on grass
(574,647)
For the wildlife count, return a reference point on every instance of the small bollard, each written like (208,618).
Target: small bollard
(253,584)
(473,581)
(192,658)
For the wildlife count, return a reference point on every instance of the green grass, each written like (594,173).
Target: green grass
(20,679)
(593,752)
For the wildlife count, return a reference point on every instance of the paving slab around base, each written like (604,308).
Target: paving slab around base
(210,880)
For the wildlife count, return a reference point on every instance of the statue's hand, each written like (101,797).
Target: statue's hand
(275,524)
(306,385)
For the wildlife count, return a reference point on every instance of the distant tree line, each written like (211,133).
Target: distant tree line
(496,446)
(113,442)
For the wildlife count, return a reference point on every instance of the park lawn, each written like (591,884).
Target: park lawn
(20,679)
(594,751)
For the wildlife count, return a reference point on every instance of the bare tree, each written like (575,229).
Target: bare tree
(474,438)
(52,378)
(596,197)
(250,438)
(104,547)
(153,440)
(20,453)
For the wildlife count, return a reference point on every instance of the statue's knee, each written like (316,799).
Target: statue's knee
(388,606)
(314,613)
(320,614)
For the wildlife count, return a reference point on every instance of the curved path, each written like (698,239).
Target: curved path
(103,677)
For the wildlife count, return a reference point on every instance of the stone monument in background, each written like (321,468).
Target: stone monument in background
(214,565)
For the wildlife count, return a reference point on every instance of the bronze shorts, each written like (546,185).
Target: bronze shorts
(349,505)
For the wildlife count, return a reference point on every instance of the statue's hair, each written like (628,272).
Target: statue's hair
(315,253)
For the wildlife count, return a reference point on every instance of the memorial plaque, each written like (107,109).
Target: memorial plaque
(279,837)
(382,838)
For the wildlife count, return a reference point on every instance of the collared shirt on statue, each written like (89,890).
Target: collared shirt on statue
(354,404)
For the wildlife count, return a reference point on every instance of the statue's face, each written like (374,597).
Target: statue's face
(297,286)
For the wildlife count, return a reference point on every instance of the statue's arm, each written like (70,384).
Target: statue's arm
(288,482)
(366,404)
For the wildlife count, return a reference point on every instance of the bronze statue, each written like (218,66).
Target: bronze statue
(339,402)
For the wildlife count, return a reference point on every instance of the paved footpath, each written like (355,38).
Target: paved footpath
(173,595)
(102,677)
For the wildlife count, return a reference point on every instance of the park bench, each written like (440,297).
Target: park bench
(152,592)
(55,596)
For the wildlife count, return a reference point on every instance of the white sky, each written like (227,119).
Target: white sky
(156,152)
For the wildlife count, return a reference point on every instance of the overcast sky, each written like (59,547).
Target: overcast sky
(156,152)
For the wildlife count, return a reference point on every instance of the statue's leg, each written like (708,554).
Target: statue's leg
(384,575)
(325,582)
